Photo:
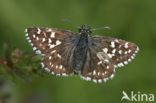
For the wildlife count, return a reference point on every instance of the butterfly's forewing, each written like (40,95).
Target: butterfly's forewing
(56,46)
(44,40)
(104,55)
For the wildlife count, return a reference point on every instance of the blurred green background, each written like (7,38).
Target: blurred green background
(131,20)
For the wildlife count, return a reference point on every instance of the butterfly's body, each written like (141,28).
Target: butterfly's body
(80,52)
(94,57)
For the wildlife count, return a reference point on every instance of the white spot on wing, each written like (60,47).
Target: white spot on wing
(129,51)
(58,74)
(129,60)
(34,36)
(126,52)
(105,79)
(94,72)
(88,78)
(94,80)
(50,57)
(43,39)
(116,40)
(56,66)
(26,34)
(52,46)
(42,65)
(120,64)
(120,51)
(37,38)
(99,80)
(98,73)
(110,55)
(58,42)
(126,45)
(137,49)
(106,60)
(105,50)
(125,62)
(39,31)
(48,70)
(64,74)
(113,44)
(50,41)
(53,51)
(114,50)
(28,38)
(26,30)
(112,76)
(52,73)
(38,52)
(34,48)
(52,35)
(119,46)
(132,57)
(60,66)
(49,30)
(100,62)
(58,55)
(29,41)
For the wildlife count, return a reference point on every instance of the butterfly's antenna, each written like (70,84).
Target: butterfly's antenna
(69,21)
(102,28)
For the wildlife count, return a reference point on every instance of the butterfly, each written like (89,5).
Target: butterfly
(94,58)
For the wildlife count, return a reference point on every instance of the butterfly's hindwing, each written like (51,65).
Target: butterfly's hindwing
(95,69)
(59,61)
(98,67)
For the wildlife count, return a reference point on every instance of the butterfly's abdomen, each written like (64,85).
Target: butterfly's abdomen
(80,52)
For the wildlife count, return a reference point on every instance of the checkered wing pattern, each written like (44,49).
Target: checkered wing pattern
(104,55)
(56,46)
(44,40)
(59,61)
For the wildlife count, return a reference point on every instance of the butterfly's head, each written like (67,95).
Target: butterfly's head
(85,30)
